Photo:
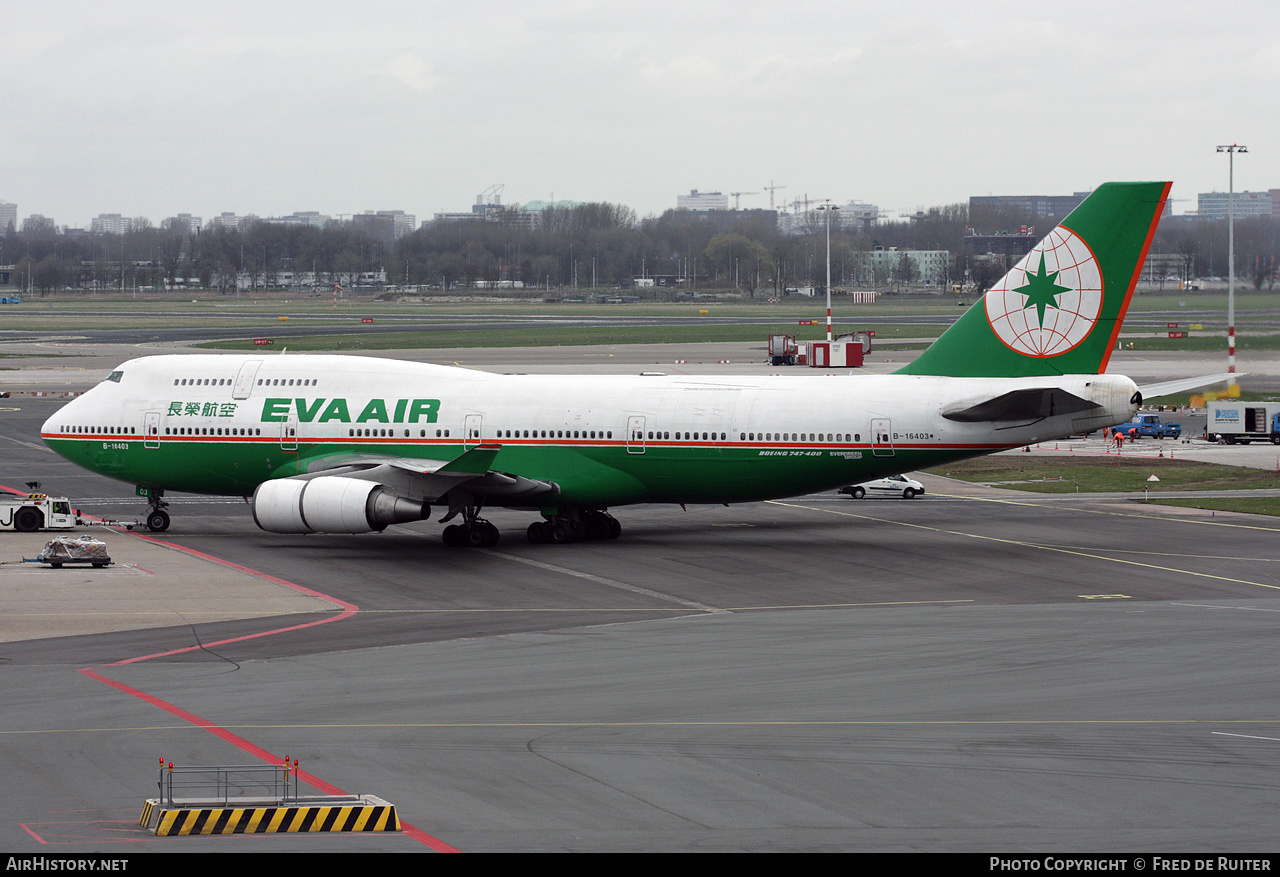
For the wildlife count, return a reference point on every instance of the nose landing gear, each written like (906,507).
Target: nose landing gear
(157,518)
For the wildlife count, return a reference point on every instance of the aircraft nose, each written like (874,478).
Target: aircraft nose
(51,425)
(55,425)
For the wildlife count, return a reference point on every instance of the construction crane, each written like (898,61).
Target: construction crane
(738,195)
(771,187)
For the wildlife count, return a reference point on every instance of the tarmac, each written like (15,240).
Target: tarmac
(979,669)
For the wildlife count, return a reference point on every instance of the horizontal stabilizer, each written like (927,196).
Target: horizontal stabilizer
(1030,404)
(1182,385)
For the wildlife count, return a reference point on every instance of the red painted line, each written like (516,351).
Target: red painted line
(251,748)
(67,837)
(38,838)
(349,609)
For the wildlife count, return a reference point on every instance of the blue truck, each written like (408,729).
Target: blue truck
(1150,426)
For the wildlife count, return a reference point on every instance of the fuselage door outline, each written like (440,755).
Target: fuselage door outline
(635,434)
(471,426)
(151,430)
(244,380)
(289,433)
(881,437)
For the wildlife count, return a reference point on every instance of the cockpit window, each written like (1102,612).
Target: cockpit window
(115,376)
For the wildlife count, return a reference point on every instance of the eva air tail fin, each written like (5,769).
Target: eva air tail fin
(1059,310)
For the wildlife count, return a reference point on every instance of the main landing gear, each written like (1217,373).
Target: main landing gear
(574,526)
(157,518)
(565,525)
(473,532)
(477,534)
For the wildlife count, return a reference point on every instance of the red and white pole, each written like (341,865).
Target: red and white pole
(1231,252)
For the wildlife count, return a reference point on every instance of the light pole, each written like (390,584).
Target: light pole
(1231,252)
(827,208)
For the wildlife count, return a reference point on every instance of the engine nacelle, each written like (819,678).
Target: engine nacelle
(331,504)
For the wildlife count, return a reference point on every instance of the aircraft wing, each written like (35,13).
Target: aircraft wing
(430,480)
(1182,385)
(1018,405)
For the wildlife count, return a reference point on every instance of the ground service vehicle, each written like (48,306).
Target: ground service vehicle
(1150,426)
(36,511)
(1243,422)
(783,350)
(894,485)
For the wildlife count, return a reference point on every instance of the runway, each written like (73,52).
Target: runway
(975,670)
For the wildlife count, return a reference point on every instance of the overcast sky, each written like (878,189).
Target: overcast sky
(157,108)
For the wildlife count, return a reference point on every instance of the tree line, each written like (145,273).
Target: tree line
(598,244)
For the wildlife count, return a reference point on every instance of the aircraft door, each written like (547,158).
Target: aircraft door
(635,434)
(245,378)
(289,433)
(471,427)
(151,430)
(881,437)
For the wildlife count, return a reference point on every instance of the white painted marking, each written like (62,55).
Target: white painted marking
(612,583)
(1246,736)
(1239,608)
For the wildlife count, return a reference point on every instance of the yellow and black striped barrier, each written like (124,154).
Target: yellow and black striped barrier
(366,814)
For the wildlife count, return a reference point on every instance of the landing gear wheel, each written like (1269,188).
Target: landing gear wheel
(454,536)
(26,520)
(561,533)
(539,533)
(158,521)
(481,534)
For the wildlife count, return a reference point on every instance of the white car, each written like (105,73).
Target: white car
(894,485)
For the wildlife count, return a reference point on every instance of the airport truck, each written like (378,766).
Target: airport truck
(36,511)
(783,350)
(1150,426)
(1243,422)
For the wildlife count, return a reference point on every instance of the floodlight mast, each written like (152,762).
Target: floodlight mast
(827,208)
(1231,151)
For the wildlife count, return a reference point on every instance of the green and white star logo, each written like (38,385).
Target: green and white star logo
(1041,291)
(1049,309)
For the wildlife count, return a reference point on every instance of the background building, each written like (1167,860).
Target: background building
(1213,205)
(110,223)
(886,265)
(1045,206)
(233,221)
(37,224)
(702,201)
(183,222)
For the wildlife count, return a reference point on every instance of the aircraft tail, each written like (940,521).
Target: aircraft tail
(1059,310)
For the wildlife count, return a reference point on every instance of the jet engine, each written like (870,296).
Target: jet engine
(331,504)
